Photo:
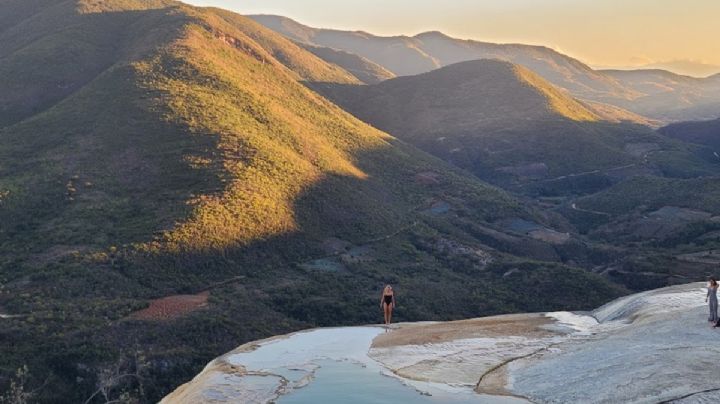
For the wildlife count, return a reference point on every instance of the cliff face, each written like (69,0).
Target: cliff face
(648,347)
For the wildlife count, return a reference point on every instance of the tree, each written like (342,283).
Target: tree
(17,394)
(121,374)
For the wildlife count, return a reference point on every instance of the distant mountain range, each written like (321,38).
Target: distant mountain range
(424,52)
(677,97)
(685,67)
(679,66)
(404,55)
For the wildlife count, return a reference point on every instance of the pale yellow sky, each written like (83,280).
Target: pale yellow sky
(598,32)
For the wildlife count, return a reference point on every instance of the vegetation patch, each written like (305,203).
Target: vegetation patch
(171,307)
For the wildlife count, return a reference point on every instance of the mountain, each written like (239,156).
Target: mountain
(511,127)
(400,55)
(659,95)
(27,44)
(668,96)
(424,52)
(169,188)
(685,67)
(699,132)
(366,71)
(681,67)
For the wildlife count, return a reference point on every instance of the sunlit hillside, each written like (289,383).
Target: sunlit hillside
(511,127)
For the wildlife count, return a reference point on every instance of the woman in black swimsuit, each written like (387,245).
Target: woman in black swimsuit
(387,303)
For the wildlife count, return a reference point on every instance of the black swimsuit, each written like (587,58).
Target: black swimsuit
(388,299)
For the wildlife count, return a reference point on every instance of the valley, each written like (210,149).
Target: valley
(176,181)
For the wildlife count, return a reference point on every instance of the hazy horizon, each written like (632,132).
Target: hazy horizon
(679,36)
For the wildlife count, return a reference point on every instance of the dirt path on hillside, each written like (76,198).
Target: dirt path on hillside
(574,206)
(580,174)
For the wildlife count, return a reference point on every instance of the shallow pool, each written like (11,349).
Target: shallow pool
(352,383)
(331,365)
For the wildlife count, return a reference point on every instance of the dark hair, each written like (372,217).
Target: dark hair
(713,281)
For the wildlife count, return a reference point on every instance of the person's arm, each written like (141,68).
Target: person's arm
(708,293)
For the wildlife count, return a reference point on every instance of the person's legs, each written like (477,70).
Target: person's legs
(386,311)
(389,316)
(710,316)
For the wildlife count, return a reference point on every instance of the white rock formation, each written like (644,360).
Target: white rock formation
(654,347)
(659,348)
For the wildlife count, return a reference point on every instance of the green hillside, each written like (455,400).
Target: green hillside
(57,33)
(651,193)
(668,228)
(153,149)
(509,126)
(706,133)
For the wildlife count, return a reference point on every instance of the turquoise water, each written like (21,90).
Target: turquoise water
(350,383)
(333,358)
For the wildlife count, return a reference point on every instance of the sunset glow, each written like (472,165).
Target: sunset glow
(600,33)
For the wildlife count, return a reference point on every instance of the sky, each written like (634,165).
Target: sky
(623,33)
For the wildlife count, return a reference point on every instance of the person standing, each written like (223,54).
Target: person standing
(387,303)
(711,298)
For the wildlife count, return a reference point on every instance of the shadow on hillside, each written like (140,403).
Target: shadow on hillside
(386,222)
(539,157)
(103,40)
(390,215)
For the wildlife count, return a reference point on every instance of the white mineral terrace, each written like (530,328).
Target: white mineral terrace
(650,347)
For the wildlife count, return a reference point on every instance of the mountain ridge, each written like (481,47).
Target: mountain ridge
(365,70)
(506,124)
(426,59)
(410,55)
